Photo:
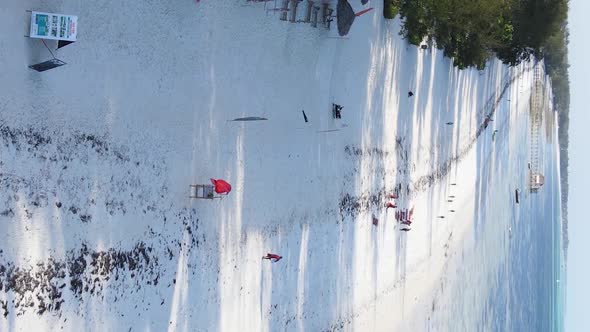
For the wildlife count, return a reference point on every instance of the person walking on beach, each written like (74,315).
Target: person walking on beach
(272,257)
(337,111)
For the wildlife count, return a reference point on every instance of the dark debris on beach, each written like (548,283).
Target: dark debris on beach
(40,288)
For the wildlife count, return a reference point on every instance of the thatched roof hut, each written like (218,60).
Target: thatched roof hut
(345,16)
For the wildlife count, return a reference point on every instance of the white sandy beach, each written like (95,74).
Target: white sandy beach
(141,111)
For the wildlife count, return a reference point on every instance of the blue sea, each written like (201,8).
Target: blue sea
(512,272)
(535,268)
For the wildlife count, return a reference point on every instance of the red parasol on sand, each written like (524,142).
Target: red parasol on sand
(363,11)
(221,186)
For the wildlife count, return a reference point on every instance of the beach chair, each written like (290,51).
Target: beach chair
(202,191)
(314,16)
(325,7)
(293,11)
(284,10)
(308,11)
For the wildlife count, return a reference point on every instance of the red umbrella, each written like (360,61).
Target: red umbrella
(221,186)
(363,11)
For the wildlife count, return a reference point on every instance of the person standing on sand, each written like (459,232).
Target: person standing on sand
(272,257)
(336,111)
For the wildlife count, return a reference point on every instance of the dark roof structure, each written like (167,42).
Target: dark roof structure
(345,16)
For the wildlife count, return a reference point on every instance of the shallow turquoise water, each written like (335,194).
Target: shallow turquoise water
(509,267)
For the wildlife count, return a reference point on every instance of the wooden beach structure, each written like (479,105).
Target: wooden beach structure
(537,109)
(537,181)
(315,11)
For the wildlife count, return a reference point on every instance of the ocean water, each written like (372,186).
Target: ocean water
(511,269)
(534,263)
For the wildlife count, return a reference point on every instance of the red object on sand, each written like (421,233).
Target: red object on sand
(390,205)
(363,11)
(221,186)
(273,256)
